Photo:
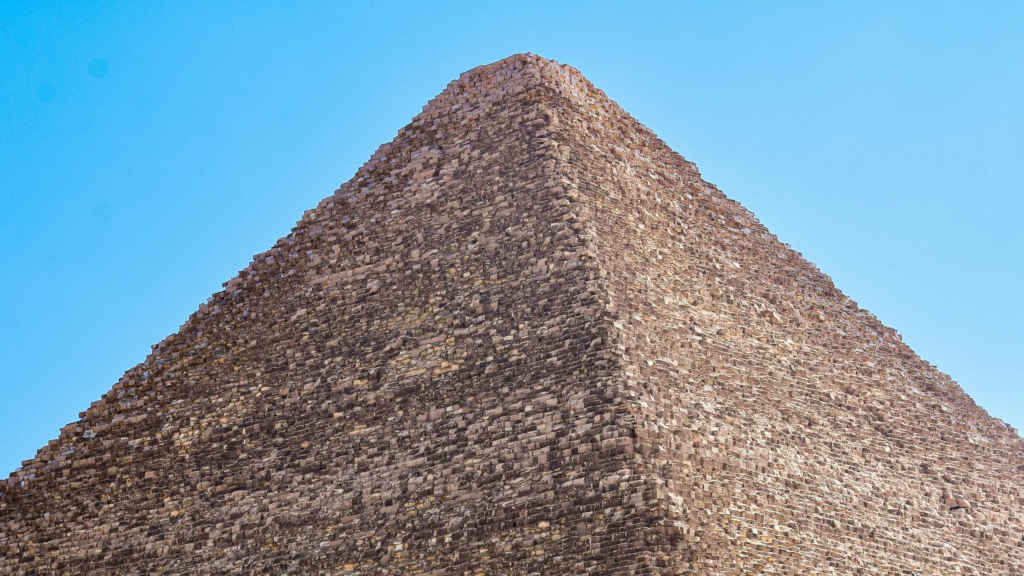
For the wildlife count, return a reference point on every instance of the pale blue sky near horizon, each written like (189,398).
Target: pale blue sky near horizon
(148,150)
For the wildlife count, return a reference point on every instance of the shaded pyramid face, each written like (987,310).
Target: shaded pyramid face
(525,338)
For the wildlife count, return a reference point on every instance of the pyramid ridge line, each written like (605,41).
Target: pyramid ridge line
(525,71)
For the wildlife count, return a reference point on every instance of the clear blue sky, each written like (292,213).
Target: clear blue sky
(148,150)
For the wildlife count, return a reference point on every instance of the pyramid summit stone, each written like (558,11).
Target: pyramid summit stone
(525,338)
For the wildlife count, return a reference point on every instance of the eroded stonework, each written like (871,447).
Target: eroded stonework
(525,338)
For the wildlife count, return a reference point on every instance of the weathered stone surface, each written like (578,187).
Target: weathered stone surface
(525,338)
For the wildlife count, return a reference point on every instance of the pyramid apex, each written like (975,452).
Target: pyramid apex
(515,61)
(516,73)
(478,89)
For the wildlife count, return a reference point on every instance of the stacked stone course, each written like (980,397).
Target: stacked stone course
(525,338)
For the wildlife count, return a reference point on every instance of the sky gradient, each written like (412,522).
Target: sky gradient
(148,150)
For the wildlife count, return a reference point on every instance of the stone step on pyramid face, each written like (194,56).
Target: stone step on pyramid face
(526,337)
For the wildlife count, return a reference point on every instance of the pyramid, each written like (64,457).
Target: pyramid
(525,338)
